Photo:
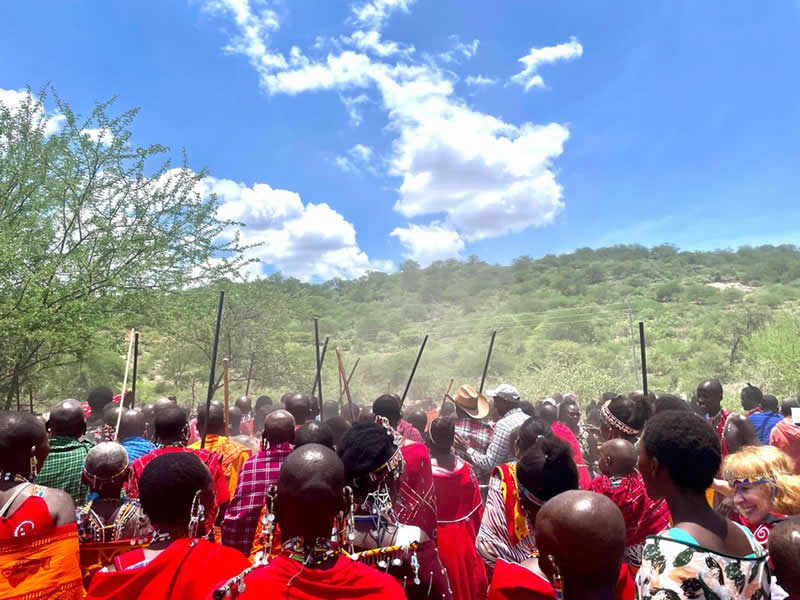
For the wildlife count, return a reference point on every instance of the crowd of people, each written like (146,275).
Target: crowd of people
(481,497)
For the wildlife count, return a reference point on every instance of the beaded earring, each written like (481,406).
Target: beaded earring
(197,516)
(34,465)
(350,523)
(558,582)
(268,524)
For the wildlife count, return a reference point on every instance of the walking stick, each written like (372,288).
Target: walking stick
(135,369)
(212,374)
(318,378)
(488,358)
(346,386)
(413,370)
(124,384)
(226,389)
(446,396)
(249,374)
(353,370)
(644,357)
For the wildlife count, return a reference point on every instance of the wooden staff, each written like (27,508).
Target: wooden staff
(353,370)
(644,357)
(446,396)
(413,370)
(318,379)
(249,373)
(486,364)
(226,387)
(135,369)
(213,373)
(343,379)
(317,376)
(124,383)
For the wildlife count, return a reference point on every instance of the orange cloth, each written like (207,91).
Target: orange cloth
(233,454)
(35,568)
(96,555)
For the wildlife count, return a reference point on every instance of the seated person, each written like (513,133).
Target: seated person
(621,482)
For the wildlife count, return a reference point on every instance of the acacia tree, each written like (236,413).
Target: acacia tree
(87,225)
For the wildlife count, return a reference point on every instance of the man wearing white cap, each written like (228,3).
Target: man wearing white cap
(507,405)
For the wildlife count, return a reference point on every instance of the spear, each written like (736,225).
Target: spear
(135,369)
(318,377)
(226,388)
(644,357)
(353,370)
(488,358)
(212,374)
(446,395)
(249,374)
(346,386)
(124,384)
(413,370)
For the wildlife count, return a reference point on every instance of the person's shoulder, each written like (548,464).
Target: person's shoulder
(60,504)
(389,586)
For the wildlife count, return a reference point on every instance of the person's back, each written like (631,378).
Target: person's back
(786,433)
(68,449)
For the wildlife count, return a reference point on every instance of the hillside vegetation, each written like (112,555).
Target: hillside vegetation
(564,323)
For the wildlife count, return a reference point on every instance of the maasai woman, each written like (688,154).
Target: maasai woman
(458,499)
(38,537)
(703,555)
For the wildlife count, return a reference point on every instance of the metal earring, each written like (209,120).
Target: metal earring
(268,524)
(197,516)
(558,582)
(34,466)
(350,523)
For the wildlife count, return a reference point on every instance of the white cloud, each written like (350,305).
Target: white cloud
(15,99)
(459,50)
(371,41)
(307,241)
(428,243)
(99,135)
(479,80)
(353,106)
(375,13)
(529,78)
(358,158)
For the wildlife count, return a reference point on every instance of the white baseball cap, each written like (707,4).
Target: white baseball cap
(505,391)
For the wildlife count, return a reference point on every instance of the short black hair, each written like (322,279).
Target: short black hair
(262,401)
(363,449)
(168,486)
(563,408)
(19,432)
(338,426)
(527,407)
(388,407)
(313,432)
(670,402)
(770,403)
(752,397)
(687,446)
(547,469)
(441,433)
(330,409)
(530,431)
(98,398)
(170,422)
(788,405)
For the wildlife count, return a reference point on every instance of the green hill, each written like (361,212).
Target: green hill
(564,323)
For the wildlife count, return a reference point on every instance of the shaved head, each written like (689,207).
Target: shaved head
(244,404)
(106,463)
(784,552)
(171,424)
(583,533)
(299,406)
(67,419)
(279,427)
(310,492)
(618,457)
(162,403)
(215,420)
(19,433)
(709,396)
(547,412)
(132,424)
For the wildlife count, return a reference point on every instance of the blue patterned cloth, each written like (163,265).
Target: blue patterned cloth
(137,447)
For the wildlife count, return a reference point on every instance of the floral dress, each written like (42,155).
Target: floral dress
(675,567)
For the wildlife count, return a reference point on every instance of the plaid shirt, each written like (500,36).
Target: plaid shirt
(499,450)
(63,467)
(257,475)
(478,434)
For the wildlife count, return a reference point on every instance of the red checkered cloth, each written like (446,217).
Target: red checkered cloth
(477,433)
(642,515)
(257,475)
(408,431)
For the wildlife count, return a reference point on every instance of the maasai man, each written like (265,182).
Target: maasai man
(298,406)
(68,449)
(416,498)
(108,524)
(258,474)
(733,431)
(38,538)
(314,432)
(581,537)
(98,399)
(786,434)
(373,463)
(171,434)
(233,454)
(311,494)
(458,499)
(245,405)
(177,495)
(132,427)
(388,406)
(548,412)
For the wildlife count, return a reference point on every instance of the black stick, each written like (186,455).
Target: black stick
(349,377)
(135,366)
(413,370)
(486,364)
(212,375)
(318,379)
(249,374)
(318,375)
(644,357)
(30,397)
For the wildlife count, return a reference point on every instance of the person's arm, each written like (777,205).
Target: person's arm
(62,508)
(496,451)
(493,541)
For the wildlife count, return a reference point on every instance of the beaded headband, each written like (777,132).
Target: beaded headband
(111,478)
(754,480)
(612,421)
(393,467)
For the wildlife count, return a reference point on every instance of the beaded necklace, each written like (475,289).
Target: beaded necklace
(9,476)
(309,555)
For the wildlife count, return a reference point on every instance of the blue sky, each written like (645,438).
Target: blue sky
(351,136)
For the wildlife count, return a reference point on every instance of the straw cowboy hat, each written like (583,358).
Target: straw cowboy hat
(471,402)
